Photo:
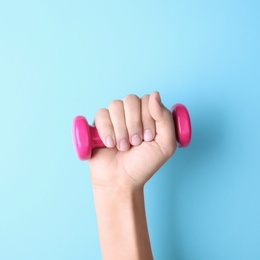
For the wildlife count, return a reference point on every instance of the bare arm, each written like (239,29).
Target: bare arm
(122,225)
(139,135)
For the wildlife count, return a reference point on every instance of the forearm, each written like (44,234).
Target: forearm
(122,224)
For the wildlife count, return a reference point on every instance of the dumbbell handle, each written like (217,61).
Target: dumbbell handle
(86,137)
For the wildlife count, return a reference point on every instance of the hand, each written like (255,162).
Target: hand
(140,137)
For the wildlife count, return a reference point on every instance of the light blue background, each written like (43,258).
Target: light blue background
(63,58)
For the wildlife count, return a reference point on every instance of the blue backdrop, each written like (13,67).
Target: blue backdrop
(63,58)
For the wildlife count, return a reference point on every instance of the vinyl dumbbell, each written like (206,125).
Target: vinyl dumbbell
(86,137)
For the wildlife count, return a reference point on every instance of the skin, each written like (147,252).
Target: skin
(139,136)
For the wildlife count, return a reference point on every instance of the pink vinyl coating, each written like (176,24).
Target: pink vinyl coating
(81,137)
(182,125)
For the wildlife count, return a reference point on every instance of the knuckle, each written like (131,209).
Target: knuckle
(115,104)
(100,114)
(132,98)
(145,98)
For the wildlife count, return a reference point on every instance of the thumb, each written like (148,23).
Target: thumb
(164,125)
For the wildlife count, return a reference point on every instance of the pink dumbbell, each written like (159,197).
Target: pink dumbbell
(86,137)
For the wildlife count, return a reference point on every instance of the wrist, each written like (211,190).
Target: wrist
(120,183)
(118,195)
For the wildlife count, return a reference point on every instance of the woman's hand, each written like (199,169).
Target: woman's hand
(139,135)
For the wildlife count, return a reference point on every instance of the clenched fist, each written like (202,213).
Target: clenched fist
(139,136)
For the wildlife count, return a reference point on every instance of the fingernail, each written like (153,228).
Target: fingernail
(123,145)
(148,135)
(110,142)
(136,140)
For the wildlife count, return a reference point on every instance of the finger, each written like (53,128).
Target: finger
(132,107)
(105,127)
(117,115)
(165,131)
(147,120)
